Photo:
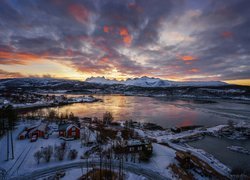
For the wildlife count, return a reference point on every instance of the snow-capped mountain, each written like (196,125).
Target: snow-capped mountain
(153,82)
(102,80)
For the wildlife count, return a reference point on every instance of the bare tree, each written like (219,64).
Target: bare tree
(72,154)
(52,114)
(71,116)
(85,136)
(47,153)
(107,118)
(59,151)
(38,155)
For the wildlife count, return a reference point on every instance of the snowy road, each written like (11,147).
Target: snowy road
(133,168)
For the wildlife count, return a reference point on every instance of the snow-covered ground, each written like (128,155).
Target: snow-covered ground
(25,163)
(162,157)
(85,99)
(43,101)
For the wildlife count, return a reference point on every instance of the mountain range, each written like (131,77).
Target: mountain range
(153,82)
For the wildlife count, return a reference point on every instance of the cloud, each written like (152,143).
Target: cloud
(168,39)
(16,57)
(6,74)
(79,12)
(125,35)
(188,58)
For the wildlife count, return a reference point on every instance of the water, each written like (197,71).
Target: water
(218,148)
(162,111)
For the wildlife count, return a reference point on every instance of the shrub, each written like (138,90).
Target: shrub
(72,154)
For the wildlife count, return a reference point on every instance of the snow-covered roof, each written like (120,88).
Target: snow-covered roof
(23,133)
(32,130)
(71,126)
(42,127)
(66,127)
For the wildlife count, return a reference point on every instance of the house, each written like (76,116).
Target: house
(40,131)
(134,146)
(25,133)
(69,131)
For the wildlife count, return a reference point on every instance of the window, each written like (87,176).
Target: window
(73,133)
(73,128)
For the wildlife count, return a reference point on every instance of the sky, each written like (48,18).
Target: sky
(181,40)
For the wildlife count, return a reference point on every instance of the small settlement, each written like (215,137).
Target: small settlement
(91,131)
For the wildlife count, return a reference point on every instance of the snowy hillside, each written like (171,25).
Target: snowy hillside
(23,82)
(153,82)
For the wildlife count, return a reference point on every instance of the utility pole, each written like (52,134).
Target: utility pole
(11,138)
(8,151)
(10,117)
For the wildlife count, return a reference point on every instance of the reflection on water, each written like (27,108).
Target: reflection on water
(165,112)
(218,148)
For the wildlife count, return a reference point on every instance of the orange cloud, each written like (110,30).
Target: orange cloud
(227,34)
(188,58)
(79,12)
(17,58)
(127,38)
(124,32)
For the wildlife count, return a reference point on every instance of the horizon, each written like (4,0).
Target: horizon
(172,40)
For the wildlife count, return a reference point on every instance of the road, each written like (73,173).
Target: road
(133,168)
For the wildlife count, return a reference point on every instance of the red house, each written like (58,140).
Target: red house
(69,131)
(40,131)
